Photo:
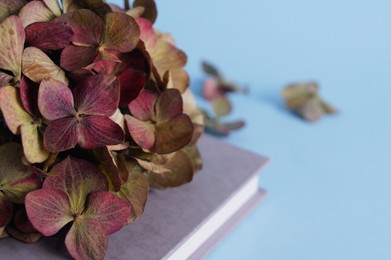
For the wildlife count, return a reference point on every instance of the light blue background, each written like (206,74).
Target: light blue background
(329,182)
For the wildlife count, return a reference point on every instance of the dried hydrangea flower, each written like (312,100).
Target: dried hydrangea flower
(95,38)
(78,195)
(304,99)
(82,116)
(158,123)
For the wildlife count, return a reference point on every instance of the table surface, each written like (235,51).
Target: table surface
(329,182)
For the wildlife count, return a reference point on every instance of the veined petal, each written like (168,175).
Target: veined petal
(37,66)
(121,32)
(87,28)
(53,6)
(143,133)
(48,210)
(169,104)
(98,131)
(76,57)
(35,11)
(10,7)
(97,95)
(12,39)
(13,111)
(48,35)
(32,144)
(55,100)
(60,135)
(143,107)
(131,82)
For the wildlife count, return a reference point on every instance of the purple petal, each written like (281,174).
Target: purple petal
(47,35)
(97,95)
(98,131)
(76,57)
(55,100)
(87,28)
(61,135)
(131,82)
(29,95)
(143,106)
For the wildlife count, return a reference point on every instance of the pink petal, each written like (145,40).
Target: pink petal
(211,90)
(143,106)
(76,57)
(48,35)
(169,104)
(143,133)
(77,178)
(148,34)
(97,95)
(48,210)
(55,100)
(131,82)
(87,28)
(22,222)
(108,209)
(98,131)
(61,135)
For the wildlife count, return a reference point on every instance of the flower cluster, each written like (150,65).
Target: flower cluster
(95,111)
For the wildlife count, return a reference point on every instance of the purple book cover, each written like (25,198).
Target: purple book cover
(170,215)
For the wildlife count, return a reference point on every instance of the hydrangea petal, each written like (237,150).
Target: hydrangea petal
(13,111)
(6,210)
(48,210)
(60,135)
(150,9)
(97,95)
(77,57)
(98,131)
(143,106)
(87,28)
(10,7)
(173,134)
(131,82)
(32,144)
(5,79)
(16,179)
(108,166)
(48,35)
(77,179)
(55,100)
(169,104)
(121,32)
(53,6)
(37,66)
(12,39)
(29,95)
(143,133)
(107,209)
(147,33)
(87,240)
(35,11)
(135,192)
(179,79)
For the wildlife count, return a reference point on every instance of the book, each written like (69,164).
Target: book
(179,223)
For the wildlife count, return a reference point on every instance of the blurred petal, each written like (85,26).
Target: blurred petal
(143,133)
(76,57)
(10,7)
(87,28)
(55,100)
(13,112)
(169,104)
(98,131)
(143,107)
(221,106)
(12,39)
(32,144)
(121,33)
(150,9)
(37,66)
(35,11)
(173,134)
(97,95)
(48,35)
(61,135)
(179,79)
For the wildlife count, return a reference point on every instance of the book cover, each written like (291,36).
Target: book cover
(173,216)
